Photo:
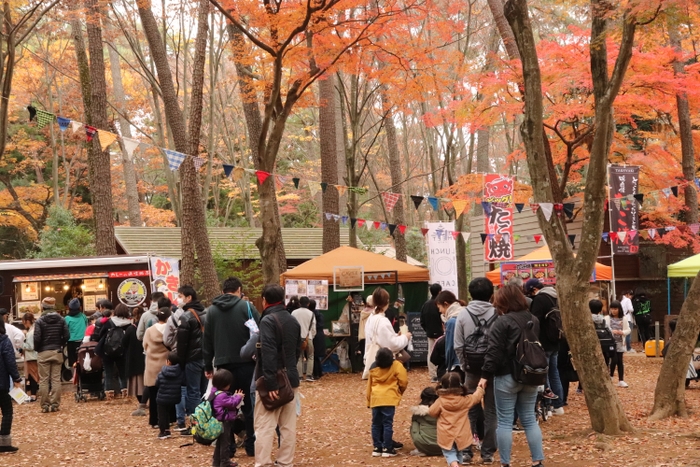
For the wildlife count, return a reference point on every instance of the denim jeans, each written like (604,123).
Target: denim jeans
(195,384)
(483,420)
(452,455)
(115,372)
(383,427)
(553,380)
(180,407)
(511,396)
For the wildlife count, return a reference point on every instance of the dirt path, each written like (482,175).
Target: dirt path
(334,431)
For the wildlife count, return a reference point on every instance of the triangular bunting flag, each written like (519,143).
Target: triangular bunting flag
(605,236)
(344,220)
(455,235)
(613,236)
(44,118)
(175,159)
(32,112)
(390,200)
(353,222)
(534,207)
(433,202)
(106,138)
(281,179)
(63,123)
(262,176)
(402,229)
(459,205)
(519,206)
(644,234)
(697,182)
(695,228)
(75,126)
(228,169)
(516,237)
(424,231)
(382,226)
(621,235)
(296,182)
(666,192)
(487,207)
(674,190)
(369,225)
(90,132)
(652,233)
(417,200)
(623,203)
(376,225)
(336,217)
(483,238)
(632,234)
(324,185)
(559,209)
(546,210)
(199,162)
(329,216)
(130,146)
(465,236)
(314,188)
(537,238)
(341,189)
(392,228)
(360,222)
(569,210)
(640,197)
(238,173)
(572,237)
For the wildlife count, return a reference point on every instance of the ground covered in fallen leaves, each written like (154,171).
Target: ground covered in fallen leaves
(334,430)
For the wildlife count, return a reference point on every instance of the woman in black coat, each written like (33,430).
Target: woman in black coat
(319,341)
(135,365)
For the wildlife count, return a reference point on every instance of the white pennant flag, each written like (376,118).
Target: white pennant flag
(75,126)
(465,236)
(547,210)
(130,146)
(621,235)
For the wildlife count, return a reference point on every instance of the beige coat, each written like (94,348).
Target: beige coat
(156,353)
(452,413)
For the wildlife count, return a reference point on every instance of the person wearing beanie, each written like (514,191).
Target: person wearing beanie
(77,324)
(50,336)
(8,369)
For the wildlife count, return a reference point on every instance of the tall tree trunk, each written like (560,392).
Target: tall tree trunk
(130,182)
(396,179)
(98,160)
(604,408)
(329,161)
(669,395)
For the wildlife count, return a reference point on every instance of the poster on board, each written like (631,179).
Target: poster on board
(498,191)
(442,255)
(165,276)
(624,212)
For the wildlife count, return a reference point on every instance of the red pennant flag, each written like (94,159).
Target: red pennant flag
(360,222)
(559,208)
(262,176)
(537,238)
(90,132)
(390,200)
(377,224)
(455,235)
(402,229)
(613,236)
(534,207)
(424,231)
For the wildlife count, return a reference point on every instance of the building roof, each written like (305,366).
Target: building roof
(50,263)
(299,243)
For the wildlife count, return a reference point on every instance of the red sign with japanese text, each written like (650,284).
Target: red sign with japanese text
(498,192)
(165,276)
(125,274)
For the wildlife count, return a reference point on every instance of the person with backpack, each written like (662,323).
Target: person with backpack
(545,307)
(77,324)
(628,312)
(642,315)
(111,349)
(225,408)
(190,332)
(619,326)
(470,342)
(602,329)
(513,348)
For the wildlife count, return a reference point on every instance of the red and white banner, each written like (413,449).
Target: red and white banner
(165,276)
(498,193)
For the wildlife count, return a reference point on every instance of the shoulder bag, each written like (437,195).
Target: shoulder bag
(285,393)
(305,342)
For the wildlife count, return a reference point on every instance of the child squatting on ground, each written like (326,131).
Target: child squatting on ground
(452,412)
(169,381)
(225,408)
(386,383)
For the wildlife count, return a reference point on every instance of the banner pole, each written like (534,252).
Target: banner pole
(612,246)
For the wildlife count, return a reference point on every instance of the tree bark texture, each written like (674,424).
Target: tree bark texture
(130,181)
(669,395)
(99,164)
(329,162)
(605,409)
(396,179)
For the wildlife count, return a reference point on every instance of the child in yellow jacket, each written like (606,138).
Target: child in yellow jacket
(452,412)
(387,382)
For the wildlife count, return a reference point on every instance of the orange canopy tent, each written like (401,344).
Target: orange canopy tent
(602,272)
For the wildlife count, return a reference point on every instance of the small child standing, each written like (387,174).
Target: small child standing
(620,328)
(225,409)
(169,381)
(454,433)
(387,382)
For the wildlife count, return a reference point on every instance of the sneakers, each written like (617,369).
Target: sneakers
(559,411)
(397,445)
(309,379)
(433,380)
(9,449)
(477,442)
(622,384)
(389,452)
(548,394)
(487,460)
(517,427)
(181,427)
(164,435)
(45,409)
(377,452)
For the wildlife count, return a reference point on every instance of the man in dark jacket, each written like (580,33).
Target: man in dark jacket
(224,335)
(431,322)
(8,369)
(50,336)
(280,335)
(189,346)
(544,299)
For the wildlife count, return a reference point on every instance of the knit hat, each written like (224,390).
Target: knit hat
(74,304)
(48,303)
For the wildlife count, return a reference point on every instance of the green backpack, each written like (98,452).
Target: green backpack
(205,427)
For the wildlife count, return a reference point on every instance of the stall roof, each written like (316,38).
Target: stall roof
(321,268)
(52,263)
(689,267)
(299,243)
(602,272)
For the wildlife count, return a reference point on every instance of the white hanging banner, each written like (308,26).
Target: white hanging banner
(75,126)
(442,255)
(130,146)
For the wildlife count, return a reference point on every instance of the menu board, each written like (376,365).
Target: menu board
(314,289)
(541,270)
(419,337)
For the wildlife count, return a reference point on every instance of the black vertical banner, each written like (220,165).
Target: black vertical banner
(624,210)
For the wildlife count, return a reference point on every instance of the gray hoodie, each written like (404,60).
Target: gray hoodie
(465,325)
(147,320)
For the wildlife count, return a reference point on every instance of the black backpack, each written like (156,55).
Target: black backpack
(605,336)
(531,364)
(476,343)
(553,328)
(114,342)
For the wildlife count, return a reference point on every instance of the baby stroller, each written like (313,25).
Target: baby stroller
(88,373)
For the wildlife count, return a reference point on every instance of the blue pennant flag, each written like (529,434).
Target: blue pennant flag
(63,123)
(433,202)
(344,219)
(175,159)
(228,169)
(487,207)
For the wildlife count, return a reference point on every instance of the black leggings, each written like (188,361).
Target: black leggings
(6,408)
(616,360)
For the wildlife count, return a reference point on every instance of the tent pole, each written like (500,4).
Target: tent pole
(612,246)
(685,288)
(668,292)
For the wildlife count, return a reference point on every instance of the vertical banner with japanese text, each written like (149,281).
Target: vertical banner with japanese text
(624,212)
(498,191)
(165,276)
(442,255)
